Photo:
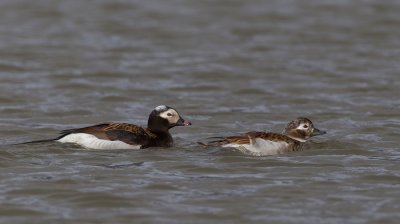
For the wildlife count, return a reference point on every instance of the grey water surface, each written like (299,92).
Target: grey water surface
(229,67)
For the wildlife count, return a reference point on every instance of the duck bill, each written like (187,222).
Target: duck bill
(318,132)
(183,122)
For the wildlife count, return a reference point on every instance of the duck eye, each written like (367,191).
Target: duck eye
(169,114)
(305,126)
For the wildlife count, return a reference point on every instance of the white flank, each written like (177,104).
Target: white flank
(261,147)
(92,142)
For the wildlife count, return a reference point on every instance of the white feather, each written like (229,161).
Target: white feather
(298,139)
(173,116)
(92,142)
(261,147)
(160,108)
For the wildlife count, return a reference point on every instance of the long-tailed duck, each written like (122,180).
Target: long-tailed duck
(294,135)
(126,136)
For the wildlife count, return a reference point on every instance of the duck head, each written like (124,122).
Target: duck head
(163,117)
(302,129)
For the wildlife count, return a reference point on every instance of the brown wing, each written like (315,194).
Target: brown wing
(275,137)
(128,133)
(250,136)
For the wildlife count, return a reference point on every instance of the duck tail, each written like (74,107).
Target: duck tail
(218,141)
(36,141)
(42,140)
(205,145)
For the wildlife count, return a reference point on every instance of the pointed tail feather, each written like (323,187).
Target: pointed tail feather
(42,140)
(214,143)
(34,142)
(215,137)
(208,144)
(205,145)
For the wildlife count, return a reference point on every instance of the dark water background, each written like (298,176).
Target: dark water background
(229,67)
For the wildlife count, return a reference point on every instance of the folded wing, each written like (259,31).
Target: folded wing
(128,133)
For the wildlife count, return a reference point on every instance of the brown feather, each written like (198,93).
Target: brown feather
(249,136)
(128,133)
(96,130)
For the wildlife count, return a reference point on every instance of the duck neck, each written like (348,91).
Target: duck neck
(297,135)
(160,128)
(157,124)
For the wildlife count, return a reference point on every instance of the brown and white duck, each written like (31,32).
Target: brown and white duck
(126,136)
(294,135)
